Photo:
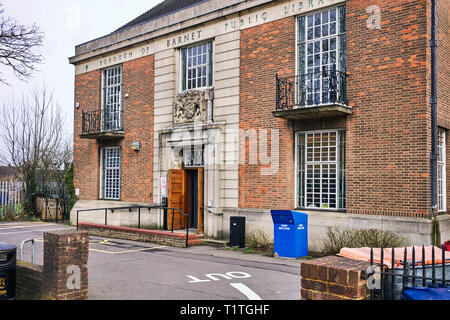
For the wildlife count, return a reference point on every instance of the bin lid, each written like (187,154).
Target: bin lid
(282,217)
(289,217)
(4,247)
(429,293)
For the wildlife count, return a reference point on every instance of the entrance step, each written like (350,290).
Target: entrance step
(216,243)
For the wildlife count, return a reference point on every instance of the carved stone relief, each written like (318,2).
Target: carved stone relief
(190,107)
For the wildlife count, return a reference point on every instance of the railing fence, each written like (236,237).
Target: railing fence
(11,198)
(399,269)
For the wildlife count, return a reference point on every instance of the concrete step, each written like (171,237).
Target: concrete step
(216,243)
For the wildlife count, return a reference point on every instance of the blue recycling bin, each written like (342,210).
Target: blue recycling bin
(291,234)
(430,293)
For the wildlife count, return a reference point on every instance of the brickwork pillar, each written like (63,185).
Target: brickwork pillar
(334,278)
(65,271)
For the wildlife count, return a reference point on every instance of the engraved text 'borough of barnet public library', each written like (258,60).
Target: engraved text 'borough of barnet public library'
(292,8)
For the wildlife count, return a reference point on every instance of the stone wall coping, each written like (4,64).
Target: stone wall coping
(30,266)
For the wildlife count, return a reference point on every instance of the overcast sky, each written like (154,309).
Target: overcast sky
(66,23)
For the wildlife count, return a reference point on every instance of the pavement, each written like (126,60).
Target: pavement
(129,270)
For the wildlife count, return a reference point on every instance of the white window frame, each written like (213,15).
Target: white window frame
(118,102)
(103,191)
(338,169)
(184,67)
(338,35)
(442,172)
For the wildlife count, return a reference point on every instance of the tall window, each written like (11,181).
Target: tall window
(197,66)
(111,173)
(441,177)
(321,170)
(112,99)
(322,56)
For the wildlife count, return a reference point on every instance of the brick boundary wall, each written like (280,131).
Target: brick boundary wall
(165,238)
(334,278)
(64,252)
(28,281)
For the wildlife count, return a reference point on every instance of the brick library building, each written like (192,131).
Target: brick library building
(226,108)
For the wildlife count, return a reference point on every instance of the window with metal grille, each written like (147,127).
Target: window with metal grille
(441,171)
(111,173)
(321,56)
(112,99)
(194,156)
(321,170)
(197,66)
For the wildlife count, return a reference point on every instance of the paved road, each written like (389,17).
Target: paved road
(128,270)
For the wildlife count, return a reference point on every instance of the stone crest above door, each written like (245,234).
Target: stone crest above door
(191,107)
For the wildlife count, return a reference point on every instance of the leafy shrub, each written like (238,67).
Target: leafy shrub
(338,238)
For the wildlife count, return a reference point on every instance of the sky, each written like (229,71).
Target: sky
(65,23)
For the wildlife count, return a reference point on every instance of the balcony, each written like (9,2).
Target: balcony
(312,96)
(102,125)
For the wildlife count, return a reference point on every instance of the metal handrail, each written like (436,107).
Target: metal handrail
(149,208)
(32,249)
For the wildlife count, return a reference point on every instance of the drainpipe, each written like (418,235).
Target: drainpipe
(434,154)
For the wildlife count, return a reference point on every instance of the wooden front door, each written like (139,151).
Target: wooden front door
(180,197)
(177,199)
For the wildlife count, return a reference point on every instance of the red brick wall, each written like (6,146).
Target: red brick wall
(64,251)
(29,281)
(443,75)
(137,167)
(266,50)
(86,161)
(388,135)
(443,58)
(388,138)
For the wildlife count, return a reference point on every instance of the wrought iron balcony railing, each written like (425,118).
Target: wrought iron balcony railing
(327,87)
(96,122)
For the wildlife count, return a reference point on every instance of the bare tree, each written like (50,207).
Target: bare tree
(17,45)
(53,166)
(31,132)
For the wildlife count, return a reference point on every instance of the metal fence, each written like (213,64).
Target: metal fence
(312,89)
(11,198)
(399,269)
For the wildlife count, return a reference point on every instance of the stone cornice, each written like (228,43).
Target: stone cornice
(186,18)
